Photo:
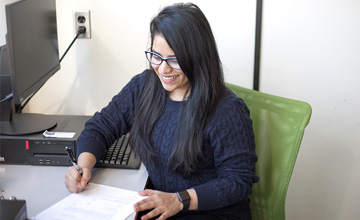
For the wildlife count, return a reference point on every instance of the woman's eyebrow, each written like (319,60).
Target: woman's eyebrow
(171,56)
(155,51)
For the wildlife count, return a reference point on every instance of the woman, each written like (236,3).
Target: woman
(192,133)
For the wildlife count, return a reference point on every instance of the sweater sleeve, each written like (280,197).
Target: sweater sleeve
(112,121)
(232,141)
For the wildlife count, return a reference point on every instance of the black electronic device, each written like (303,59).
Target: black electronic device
(120,155)
(5,85)
(35,149)
(31,57)
(184,198)
(13,210)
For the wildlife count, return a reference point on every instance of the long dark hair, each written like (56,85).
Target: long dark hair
(189,34)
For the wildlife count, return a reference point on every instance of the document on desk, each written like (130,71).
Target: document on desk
(100,202)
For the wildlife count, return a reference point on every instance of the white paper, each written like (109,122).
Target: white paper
(49,134)
(100,202)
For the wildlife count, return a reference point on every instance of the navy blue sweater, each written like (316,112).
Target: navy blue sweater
(229,172)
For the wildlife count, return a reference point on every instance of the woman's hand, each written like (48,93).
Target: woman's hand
(76,183)
(163,204)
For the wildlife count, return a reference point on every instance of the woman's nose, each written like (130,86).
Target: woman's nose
(164,67)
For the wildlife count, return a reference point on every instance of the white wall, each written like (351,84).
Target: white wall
(311,52)
(94,70)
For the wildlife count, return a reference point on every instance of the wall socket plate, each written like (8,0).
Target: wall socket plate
(82,18)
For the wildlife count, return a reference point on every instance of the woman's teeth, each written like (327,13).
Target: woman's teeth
(169,78)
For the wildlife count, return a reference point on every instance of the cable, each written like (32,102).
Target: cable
(7,98)
(81,30)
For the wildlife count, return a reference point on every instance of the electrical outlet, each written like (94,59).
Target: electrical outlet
(82,18)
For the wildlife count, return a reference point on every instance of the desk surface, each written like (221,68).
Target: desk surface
(42,186)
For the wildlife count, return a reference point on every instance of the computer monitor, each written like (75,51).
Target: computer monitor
(33,57)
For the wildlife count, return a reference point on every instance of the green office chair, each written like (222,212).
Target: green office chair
(278,125)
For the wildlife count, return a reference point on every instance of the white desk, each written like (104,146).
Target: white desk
(43,186)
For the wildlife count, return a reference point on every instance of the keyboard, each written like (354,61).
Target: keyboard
(120,155)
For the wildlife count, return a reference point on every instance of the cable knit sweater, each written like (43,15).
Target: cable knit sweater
(229,173)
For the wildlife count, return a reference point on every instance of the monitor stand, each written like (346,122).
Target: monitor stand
(27,123)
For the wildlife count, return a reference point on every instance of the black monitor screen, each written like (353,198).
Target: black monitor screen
(32,45)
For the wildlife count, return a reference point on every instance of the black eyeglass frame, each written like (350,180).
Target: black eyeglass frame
(162,59)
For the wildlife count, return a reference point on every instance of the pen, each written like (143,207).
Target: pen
(73,159)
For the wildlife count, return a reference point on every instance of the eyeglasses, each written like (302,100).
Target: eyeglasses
(156,59)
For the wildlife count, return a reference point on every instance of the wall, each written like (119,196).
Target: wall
(94,70)
(310,51)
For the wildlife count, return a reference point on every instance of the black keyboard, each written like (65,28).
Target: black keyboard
(120,155)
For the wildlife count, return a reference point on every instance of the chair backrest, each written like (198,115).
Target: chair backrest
(278,125)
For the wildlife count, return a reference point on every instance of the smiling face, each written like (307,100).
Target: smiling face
(174,81)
